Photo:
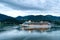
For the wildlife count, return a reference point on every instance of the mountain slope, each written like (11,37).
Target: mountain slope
(49,18)
(8,19)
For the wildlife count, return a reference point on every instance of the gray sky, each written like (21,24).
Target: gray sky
(30,7)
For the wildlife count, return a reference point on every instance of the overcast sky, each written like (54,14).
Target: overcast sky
(16,8)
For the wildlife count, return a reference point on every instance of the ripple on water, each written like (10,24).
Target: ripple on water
(25,35)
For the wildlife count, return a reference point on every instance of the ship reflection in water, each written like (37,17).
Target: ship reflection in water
(25,35)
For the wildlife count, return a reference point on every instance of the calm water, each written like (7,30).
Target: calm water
(14,34)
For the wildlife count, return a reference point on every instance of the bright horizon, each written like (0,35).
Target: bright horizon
(16,8)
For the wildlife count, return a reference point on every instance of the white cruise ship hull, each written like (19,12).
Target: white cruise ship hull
(36,27)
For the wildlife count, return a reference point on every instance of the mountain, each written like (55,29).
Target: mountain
(3,17)
(20,19)
(8,19)
(39,17)
(49,18)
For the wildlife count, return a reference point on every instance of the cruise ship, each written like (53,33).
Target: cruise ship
(42,25)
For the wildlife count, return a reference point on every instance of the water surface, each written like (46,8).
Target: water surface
(15,34)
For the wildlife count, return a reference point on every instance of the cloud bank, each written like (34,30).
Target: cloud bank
(33,4)
(38,6)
